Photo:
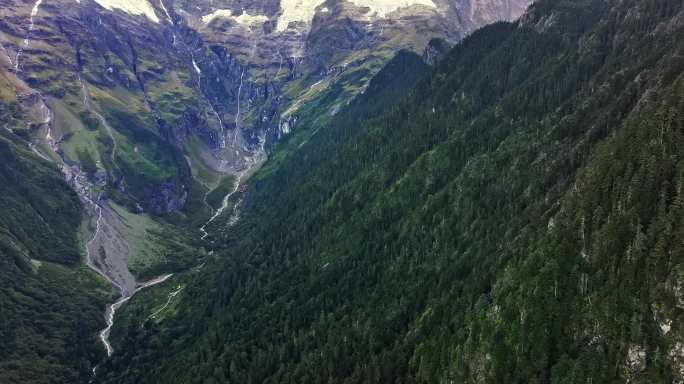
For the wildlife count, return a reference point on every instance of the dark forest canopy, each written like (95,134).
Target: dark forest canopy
(513,216)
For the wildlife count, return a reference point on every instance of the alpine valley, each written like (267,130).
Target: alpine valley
(341,191)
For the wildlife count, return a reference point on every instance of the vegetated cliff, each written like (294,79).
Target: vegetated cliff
(515,217)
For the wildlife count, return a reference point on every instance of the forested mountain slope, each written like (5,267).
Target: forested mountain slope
(123,124)
(50,306)
(514,217)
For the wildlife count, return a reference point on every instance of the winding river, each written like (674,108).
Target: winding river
(114,269)
(111,311)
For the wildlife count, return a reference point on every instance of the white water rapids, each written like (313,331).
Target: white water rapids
(252,163)
(168,301)
(111,311)
(27,39)
(224,205)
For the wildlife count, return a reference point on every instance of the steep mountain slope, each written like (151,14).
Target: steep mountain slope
(149,111)
(216,81)
(50,306)
(515,217)
(156,104)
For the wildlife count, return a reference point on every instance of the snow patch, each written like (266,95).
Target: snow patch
(248,20)
(382,8)
(245,19)
(219,13)
(134,7)
(303,11)
(294,11)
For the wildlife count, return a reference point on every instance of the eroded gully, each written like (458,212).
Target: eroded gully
(252,163)
(86,191)
(109,275)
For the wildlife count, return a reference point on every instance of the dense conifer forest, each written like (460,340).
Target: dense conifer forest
(514,215)
(50,306)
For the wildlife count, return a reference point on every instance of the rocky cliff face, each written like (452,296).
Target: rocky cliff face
(155,91)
